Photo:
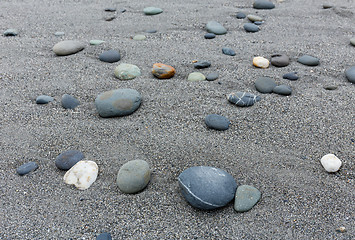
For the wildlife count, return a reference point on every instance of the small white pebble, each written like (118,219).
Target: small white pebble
(331,163)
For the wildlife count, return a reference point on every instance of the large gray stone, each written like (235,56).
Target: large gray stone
(265,84)
(126,71)
(68,159)
(308,60)
(263,4)
(216,28)
(133,176)
(243,99)
(68,47)
(350,74)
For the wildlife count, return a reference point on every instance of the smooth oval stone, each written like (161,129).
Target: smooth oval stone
(265,84)
(243,99)
(280,60)
(133,176)
(202,64)
(126,71)
(110,56)
(118,103)
(251,27)
(69,102)
(104,236)
(216,28)
(68,47)
(263,4)
(228,51)
(350,74)
(207,187)
(152,10)
(110,9)
(212,76)
(96,42)
(308,60)
(217,122)
(258,23)
(352,41)
(151,31)
(68,159)
(246,197)
(44,99)
(330,87)
(282,90)
(261,62)
(26,168)
(59,34)
(82,175)
(11,32)
(240,15)
(163,71)
(290,76)
(139,37)
(254,18)
(331,163)
(196,76)
(109,18)
(210,35)
(327,5)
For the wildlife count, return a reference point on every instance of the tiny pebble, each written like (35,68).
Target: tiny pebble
(210,35)
(228,51)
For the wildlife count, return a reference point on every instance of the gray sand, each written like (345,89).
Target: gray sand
(275,145)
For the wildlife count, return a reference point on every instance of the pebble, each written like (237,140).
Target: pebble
(212,76)
(243,99)
(308,60)
(196,76)
(265,84)
(228,51)
(151,31)
(68,159)
(341,229)
(110,18)
(126,71)
(216,28)
(240,15)
(104,236)
(331,163)
(110,56)
(202,64)
(261,62)
(280,60)
(207,187)
(217,122)
(69,102)
(96,42)
(352,41)
(152,11)
(350,74)
(258,23)
(26,168)
(251,27)
(246,197)
(122,10)
(330,87)
(290,76)
(163,71)
(139,37)
(68,47)
(44,99)
(327,6)
(59,34)
(210,35)
(133,176)
(11,32)
(118,103)
(283,90)
(83,174)
(110,9)
(254,18)
(263,4)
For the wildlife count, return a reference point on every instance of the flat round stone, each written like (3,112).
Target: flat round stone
(217,122)
(212,76)
(96,42)
(246,197)
(26,168)
(69,102)
(163,71)
(139,37)
(282,90)
(308,60)
(11,32)
(280,60)
(290,76)
(251,27)
(68,47)
(68,159)
(110,56)
(263,4)
(196,76)
(152,10)
(265,84)
(350,74)
(228,51)
(331,163)
(44,99)
(243,99)
(210,35)
(216,28)
(202,64)
(254,18)
(126,71)
(261,62)
(240,15)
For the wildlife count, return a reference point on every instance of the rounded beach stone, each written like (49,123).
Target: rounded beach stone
(228,51)
(126,71)
(110,9)
(210,35)
(68,159)
(280,60)
(196,76)
(26,168)
(69,102)
(151,31)
(263,4)
(83,174)
(117,103)
(104,236)
(133,176)
(152,10)
(202,64)
(68,47)
(11,32)
(59,34)
(246,197)
(243,99)
(261,62)
(330,87)
(216,28)
(265,84)
(163,71)
(207,187)
(331,163)
(290,76)
(139,37)
(251,27)
(212,76)
(350,74)
(44,99)
(308,60)
(352,41)
(217,122)
(282,90)
(96,42)
(254,18)
(110,56)
(240,15)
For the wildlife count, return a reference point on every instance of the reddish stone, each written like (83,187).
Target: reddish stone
(161,70)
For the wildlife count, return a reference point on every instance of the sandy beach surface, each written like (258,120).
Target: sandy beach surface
(275,145)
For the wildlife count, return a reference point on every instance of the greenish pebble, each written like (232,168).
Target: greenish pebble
(126,71)
(196,76)
(96,42)
(254,18)
(133,176)
(152,10)
(139,37)
(352,41)
(246,197)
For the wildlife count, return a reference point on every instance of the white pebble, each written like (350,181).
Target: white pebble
(261,62)
(331,163)
(82,174)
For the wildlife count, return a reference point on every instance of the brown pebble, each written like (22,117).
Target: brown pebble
(163,71)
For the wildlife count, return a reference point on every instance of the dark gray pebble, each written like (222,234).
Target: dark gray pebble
(110,56)
(10,32)
(330,87)
(258,23)
(104,236)
(212,76)
(69,102)
(151,31)
(67,159)
(265,84)
(202,64)
(110,9)
(263,4)
(280,60)
(210,35)
(251,27)
(350,74)
(26,168)
(228,51)
(290,76)
(241,15)
(123,10)
(283,90)
(44,99)
(308,60)
(243,99)
(217,122)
